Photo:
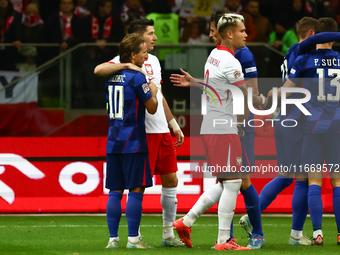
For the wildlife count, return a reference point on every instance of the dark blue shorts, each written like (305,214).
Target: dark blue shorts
(319,147)
(127,171)
(248,154)
(288,141)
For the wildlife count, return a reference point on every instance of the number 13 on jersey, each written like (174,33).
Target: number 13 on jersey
(334,83)
(116,102)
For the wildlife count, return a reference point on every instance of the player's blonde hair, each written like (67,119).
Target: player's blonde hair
(229,19)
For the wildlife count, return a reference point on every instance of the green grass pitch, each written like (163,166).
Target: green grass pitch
(80,235)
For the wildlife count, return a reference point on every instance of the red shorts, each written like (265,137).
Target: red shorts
(162,153)
(224,153)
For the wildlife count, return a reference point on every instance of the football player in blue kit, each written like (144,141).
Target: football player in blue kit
(289,140)
(127,96)
(320,141)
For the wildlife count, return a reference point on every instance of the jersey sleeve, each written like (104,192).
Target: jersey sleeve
(248,64)
(233,72)
(309,44)
(297,70)
(115,60)
(141,87)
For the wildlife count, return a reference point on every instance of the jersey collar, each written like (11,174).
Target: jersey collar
(220,47)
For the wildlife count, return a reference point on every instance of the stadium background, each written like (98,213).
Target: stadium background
(52,145)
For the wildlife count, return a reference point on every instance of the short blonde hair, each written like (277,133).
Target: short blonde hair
(229,19)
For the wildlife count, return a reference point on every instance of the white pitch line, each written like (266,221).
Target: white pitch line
(123,226)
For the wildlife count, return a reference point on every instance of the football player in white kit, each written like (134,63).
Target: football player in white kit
(222,142)
(162,153)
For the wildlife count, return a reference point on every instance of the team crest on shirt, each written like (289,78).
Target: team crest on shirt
(239,161)
(148,69)
(145,87)
(237,74)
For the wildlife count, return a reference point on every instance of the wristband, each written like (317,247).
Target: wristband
(174,125)
(263,99)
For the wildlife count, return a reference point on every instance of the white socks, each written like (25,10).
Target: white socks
(297,234)
(114,238)
(209,198)
(317,232)
(226,208)
(169,205)
(133,239)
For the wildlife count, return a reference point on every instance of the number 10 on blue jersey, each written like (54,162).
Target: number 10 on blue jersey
(116,102)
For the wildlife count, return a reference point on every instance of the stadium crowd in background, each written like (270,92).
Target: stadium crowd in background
(266,21)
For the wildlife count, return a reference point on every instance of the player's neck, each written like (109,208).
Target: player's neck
(228,45)
(324,46)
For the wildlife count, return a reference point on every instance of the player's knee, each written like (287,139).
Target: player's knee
(170,182)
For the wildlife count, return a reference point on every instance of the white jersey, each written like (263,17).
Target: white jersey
(154,123)
(221,68)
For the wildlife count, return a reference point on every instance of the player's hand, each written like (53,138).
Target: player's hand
(153,88)
(270,94)
(240,131)
(134,67)
(180,138)
(181,80)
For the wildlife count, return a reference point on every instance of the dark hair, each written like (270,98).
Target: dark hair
(103,2)
(215,17)
(139,26)
(304,25)
(326,25)
(130,43)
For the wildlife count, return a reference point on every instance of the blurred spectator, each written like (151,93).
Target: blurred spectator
(193,33)
(263,26)
(48,8)
(296,11)
(20,5)
(6,17)
(160,6)
(131,10)
(236,6)
(63,28)
(81,9)
(283,37)
(175,5)
(102,27)
(25,29)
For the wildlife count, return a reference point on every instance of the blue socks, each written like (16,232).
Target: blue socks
(336,206)
(252,201)
(272,189)
(300,204)
(315,206)
(133,212)
(113,212)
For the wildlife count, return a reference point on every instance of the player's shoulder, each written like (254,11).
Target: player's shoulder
(152,59)
(244,54)
(115,60)
(293,51)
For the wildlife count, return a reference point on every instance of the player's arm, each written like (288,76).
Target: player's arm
(310,43)
(259,101)
(109,68)
(288,84)
(252,83)
(152,103)
(173,123)
(185,80)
